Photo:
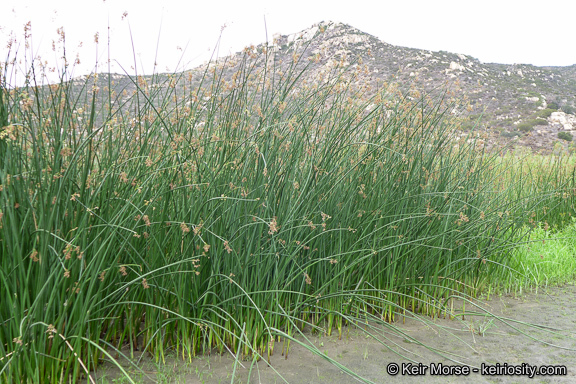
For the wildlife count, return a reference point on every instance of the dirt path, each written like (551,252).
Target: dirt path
(494,343)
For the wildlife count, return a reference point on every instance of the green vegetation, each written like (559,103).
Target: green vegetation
(525,127)
(233,214)
(565,136)
(545,113)
(570,109)
(547,258)
(529,124)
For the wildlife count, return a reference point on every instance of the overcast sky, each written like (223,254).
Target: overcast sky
(182,34)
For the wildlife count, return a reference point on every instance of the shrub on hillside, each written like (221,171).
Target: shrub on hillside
(524,127)
(529,124)
(568,109)
(565,136)
(538,121)
(510,134)
(545,113)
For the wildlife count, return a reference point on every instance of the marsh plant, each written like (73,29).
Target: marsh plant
(231,212)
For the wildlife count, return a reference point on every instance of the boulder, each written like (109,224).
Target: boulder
(454,66)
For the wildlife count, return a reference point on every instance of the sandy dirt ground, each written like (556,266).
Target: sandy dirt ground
(530,339)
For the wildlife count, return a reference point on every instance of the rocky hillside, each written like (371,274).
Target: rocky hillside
(523,104)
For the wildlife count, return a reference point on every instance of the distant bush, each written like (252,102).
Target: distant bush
(545,113)
(565,136)
(568,109)
(538,121)
(524,127)
(553,105)
(529,124)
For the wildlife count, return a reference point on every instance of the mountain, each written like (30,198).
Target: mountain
(520,103)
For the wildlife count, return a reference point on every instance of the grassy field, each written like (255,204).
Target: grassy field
(234,213)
